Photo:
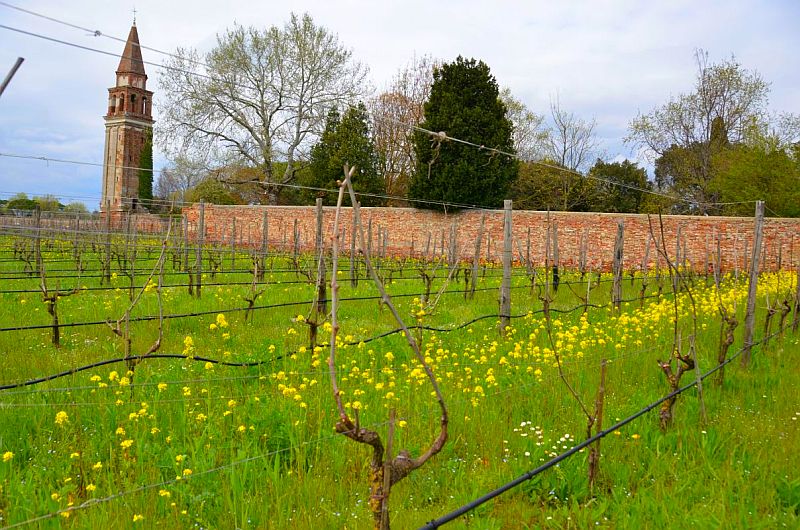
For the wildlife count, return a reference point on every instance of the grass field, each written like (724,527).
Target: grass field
(190,443)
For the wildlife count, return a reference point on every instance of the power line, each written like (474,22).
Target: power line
(98,33)
(439,136)
(102,52)
(277,184)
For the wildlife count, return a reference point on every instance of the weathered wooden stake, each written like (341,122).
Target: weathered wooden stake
(556,277)
(185,230)
(796,322)
(353,271)
(107,264)
(750,313)
(505,288)
(198,263)
(477,257)
(322,293)
(616,293)
(233,245)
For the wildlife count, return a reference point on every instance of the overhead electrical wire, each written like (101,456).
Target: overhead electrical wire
(437,136)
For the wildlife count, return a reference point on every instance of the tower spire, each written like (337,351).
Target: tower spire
(129,126)
(131,61)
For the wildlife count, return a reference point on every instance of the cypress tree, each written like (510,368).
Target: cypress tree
(464,103)
(346,140)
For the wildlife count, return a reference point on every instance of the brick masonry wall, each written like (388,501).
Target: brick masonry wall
(411,231)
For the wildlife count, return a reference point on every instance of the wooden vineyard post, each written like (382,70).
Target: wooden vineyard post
(750,313)
(556,278)
(264,245)
(198,264)
(133,233)
(185,230)
(616,294)
(353,272)
(796,322)
(107,257)
(296,248)
(76,254)
(584,250)
(369,236)
(505,288)
(645,270)
(233,245)
(477,257)
(596,423)
(387,472)
(322,293)
(675,283)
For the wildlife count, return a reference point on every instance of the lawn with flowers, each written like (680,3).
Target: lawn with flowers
(188,442)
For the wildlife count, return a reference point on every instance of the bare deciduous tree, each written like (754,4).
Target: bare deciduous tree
(394,112)
(258,97)
(571,141)
(173,182)
(530,135)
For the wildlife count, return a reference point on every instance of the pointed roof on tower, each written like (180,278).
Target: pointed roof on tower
(131,62)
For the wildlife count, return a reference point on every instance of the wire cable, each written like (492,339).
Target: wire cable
(436,523)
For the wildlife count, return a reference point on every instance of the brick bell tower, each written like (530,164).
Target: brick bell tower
(129,130)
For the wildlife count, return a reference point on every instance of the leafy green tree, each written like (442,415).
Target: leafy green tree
(76,207)
(547,185)
(761,171)
(619,186)
(211,191)
(346,140)
(464,103)
(21,201)
(531,137)
(49,203)
(146,172)
(728,104)
(393,111)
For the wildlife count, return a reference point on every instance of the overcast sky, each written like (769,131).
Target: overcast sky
(604,59)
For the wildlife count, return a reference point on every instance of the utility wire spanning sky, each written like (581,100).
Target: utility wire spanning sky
(603,59)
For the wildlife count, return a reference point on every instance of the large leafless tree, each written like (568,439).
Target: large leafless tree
(259,97)
(727,106)
(530,134)
(394,112)
(571,140)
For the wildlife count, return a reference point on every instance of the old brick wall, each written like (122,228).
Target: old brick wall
(411,231)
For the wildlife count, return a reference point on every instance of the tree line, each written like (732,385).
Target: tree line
(21,202)
(270,116)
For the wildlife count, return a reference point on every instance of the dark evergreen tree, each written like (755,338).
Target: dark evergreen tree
(346,140)
(464,104)
(620,186)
